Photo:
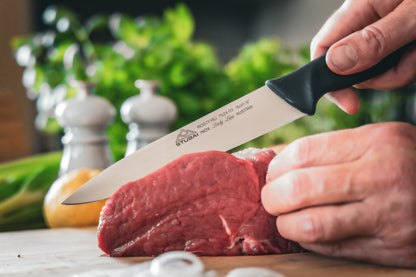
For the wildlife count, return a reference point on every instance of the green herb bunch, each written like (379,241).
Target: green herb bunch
(115,50)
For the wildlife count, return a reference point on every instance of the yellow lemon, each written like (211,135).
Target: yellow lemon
(58,215)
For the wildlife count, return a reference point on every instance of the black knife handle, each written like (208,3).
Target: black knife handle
(305,86)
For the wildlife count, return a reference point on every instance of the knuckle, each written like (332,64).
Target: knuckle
(299,184)
(302,151)
(397,132)
(295,194)
(375,38)
(394,139)
(401,131)
(312,228)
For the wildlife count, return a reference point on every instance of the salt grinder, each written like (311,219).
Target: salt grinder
(147,114)
(85,119)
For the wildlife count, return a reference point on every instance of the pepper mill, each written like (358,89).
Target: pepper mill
(85,119)
(147,114)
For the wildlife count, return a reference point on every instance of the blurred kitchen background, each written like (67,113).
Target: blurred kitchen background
(239,40)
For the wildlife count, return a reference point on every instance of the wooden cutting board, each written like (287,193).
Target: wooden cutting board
(68,251)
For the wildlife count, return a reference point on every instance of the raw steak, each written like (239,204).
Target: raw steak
(206,203)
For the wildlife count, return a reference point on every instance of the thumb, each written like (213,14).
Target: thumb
(365,48)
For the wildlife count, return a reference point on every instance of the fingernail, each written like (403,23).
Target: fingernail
(343,57)
(333,100)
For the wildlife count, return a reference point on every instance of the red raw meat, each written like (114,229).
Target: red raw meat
(206,203)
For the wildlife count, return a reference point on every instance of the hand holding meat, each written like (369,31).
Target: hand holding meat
(358,35)
(349,193)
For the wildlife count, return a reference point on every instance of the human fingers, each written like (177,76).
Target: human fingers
(328,223)
(331,168)
(366,47)
(369,249)
(321,149)
(350,17)
(353,16)
(314,186)
(402,74)
(346,99)
(337,147)
(378,203)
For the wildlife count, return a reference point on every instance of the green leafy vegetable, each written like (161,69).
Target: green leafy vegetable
(23,185)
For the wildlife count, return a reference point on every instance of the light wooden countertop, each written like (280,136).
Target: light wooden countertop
(68,251)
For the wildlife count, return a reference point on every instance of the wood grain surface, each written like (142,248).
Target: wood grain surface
(70,251)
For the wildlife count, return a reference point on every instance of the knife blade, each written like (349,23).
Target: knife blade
(279,102)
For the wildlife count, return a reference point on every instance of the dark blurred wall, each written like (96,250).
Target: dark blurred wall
(227,24)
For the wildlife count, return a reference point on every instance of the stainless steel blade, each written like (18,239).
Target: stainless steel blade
(244,119)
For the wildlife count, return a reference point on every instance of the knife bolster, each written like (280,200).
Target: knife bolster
(303,87)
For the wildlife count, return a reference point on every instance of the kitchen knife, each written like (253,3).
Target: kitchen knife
(280,101)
